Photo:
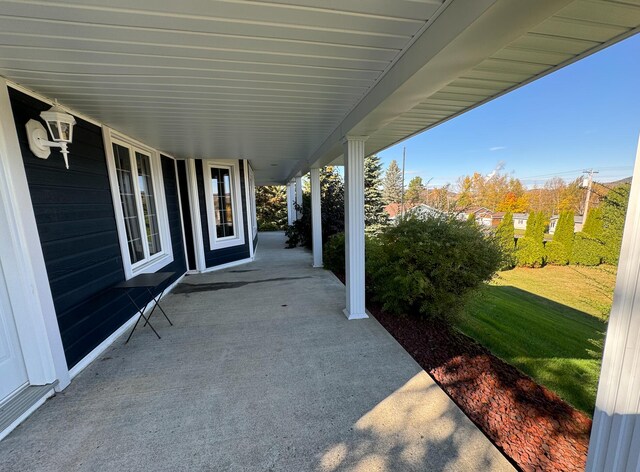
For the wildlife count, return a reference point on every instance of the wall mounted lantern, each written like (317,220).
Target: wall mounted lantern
(60,125)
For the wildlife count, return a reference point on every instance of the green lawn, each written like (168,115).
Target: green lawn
(549,323)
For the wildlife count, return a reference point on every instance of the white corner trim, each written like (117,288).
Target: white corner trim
(227,265)
(236,200)
(248,206)
(157,261)
(4,433)
(196,219)
(29,288)
(104,345)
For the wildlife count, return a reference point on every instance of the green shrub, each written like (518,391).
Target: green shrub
(530,252)
(559,250)
(429,266)
(333,254)
(614,210)
(506,240)
(587,250)
(556,253)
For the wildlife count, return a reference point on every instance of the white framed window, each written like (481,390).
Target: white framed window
(224,203)
(137,188)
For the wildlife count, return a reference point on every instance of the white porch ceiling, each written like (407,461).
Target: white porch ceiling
(280,82)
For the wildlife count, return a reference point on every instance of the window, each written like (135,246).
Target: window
(138,191)
(224,204)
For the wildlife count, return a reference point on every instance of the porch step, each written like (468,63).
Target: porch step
(20,404)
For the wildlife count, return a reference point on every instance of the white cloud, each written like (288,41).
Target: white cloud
(497,148)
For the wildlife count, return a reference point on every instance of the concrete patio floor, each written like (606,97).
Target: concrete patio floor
(262,371)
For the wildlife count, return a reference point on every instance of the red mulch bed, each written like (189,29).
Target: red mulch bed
(530,424)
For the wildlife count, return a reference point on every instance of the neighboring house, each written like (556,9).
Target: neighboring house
(578,221)
(424,211)
(393,210)
(180,108)
(520,220)
(496,218)
(473,212)
(485,218)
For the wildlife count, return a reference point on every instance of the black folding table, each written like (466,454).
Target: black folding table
(152,283)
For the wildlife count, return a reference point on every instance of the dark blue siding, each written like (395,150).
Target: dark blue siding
(229,254)
(186,214)
(77,229)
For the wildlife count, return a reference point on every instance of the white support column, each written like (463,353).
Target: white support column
(354,225)
(615,435)
(299,197)
(316,218)
(290,198)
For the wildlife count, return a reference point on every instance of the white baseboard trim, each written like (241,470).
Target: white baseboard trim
(228,265)
(93,355)
(4,433)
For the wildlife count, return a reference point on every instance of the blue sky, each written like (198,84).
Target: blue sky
(586,115)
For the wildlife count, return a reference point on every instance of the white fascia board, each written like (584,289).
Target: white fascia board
(464,34)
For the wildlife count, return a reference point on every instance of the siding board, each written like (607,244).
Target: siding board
(77,229)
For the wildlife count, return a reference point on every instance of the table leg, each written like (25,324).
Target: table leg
(141,311)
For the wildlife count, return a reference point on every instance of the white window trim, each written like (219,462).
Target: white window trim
(165,256)
(236,201)
(251,197)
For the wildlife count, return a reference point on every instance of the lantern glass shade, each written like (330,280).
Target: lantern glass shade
(60,124)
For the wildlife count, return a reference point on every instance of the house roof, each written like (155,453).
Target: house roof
(282,82)
(392,209)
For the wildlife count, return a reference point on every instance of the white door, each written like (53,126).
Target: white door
(13,374)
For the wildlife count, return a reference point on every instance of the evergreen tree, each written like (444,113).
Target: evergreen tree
(414,193)
(271,207)
(392,184)
(374,214)
(530,249)
(506,241)
(332,210)
(614,210)
(588,245)
(593,224)
(560,249)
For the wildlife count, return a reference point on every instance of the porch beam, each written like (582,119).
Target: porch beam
(354,225)
(316,217)
(615,435)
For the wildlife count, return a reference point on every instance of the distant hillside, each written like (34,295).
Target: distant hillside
(615,183)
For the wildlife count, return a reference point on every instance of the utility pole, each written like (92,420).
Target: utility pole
(404,155)
(588,184)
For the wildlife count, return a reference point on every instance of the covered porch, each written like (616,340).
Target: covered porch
(262,371)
